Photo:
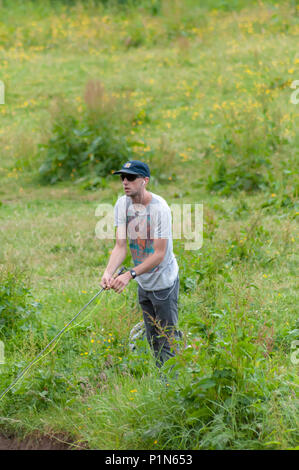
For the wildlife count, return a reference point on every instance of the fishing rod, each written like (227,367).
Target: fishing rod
(23,372)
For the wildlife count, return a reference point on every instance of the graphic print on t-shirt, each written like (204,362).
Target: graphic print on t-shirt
(140,246)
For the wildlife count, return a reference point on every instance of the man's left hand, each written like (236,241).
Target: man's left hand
(120,282)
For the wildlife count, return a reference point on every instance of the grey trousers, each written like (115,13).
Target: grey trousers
(160,314)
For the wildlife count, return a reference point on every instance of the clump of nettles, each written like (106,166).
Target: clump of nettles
(19,311)
(93,142)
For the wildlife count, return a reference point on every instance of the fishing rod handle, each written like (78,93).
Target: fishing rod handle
(119,272)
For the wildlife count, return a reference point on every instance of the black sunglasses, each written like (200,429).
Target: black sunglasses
(129,177)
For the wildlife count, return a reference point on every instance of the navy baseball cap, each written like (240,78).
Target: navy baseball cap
(134,167)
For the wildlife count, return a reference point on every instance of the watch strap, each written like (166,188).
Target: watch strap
(133,273)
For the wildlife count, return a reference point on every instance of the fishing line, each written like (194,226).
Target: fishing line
(54,341)
(40,356)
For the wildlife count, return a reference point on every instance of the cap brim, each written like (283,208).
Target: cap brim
(125,172)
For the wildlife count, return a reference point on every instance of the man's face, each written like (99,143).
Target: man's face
(132,188)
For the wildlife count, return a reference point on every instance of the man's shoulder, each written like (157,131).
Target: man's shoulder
(121,201)
(159,204)
(156,199)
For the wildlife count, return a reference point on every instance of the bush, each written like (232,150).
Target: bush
(246,144)
(94,143)
(19,313)
(86,149)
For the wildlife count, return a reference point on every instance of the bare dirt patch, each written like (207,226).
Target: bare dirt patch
(35,443)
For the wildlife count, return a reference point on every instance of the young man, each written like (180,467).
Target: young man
(144,219)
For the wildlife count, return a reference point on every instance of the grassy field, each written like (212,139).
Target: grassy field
(202,92)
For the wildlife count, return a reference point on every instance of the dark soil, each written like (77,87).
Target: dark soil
(35,443)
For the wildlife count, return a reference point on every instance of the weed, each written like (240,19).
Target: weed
(94,143)
(19,311)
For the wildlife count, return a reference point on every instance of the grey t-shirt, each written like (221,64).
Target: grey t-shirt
(141,225)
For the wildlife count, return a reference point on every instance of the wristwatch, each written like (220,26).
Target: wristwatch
(133,274)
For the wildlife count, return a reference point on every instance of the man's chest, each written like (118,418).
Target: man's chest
(139,226)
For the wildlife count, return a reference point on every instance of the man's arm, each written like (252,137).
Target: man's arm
(153,260)
(117,257)
(149,263)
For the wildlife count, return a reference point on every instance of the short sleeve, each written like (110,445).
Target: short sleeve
(120,212)
(161,222)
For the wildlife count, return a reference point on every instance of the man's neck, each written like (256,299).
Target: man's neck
(143,198)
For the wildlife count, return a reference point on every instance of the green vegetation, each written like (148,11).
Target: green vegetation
(202,93)
(95,144)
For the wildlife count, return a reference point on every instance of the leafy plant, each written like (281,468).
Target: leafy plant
(18,311)
(244,176)
(94,143)
(245,143)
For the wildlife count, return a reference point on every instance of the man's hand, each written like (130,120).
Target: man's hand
(119,283)
(106,280)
